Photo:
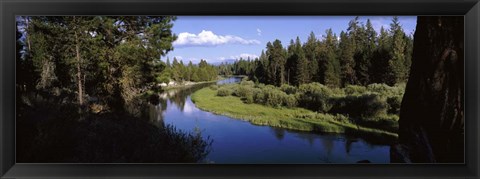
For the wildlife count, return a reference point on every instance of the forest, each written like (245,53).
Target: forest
(358,56)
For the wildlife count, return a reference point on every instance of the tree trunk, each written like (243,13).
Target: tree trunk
(431,125)
(28,35)
(79,70)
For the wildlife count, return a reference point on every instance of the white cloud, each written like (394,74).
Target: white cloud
(208,38)
(259,32)
(245,56)
(236,57)
(378,23)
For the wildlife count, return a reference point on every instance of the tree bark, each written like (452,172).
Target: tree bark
(79,70)
(431,125)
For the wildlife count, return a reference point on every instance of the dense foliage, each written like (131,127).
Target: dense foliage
(355,101)
(113,59)
(178,72)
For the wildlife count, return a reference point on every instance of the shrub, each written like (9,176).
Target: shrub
(366,105)
(260,85)
(386,90)
(314,96)
(249,98)
(273,97)
(258,96)
(243,90)
(354,90)
(394,103)
(290,101)
(288,89)
(214,87)
(224,91)
(247,83)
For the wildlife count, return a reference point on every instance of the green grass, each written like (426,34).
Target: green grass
(289,118)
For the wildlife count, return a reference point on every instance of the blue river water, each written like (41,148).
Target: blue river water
(240,142)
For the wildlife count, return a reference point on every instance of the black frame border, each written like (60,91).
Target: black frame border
(10,8)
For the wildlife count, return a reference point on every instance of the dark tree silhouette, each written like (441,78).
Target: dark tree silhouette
(431,125)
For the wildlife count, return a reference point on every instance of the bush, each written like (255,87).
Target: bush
(224,91)
(394,103)
(288,89)
(366,105)
(247,83)
(273,97)
(258,96)
(290,101)
(386,90)
(243,90)
(249,98)
(354,90)
(314,96)
(214,87)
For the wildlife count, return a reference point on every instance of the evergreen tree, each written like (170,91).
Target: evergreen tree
(398,49)
(347,63)
(311,54)
(380,59)
(330,64)
(277,59)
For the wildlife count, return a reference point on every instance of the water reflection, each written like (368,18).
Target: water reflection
(279,133)
(237,141)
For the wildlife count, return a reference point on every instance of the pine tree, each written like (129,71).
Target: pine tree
(347,63)
(277,59)
(398,50)
(380,60)
(365,46)
(311,54)
(331,65)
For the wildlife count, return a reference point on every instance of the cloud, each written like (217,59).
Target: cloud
(236,57)
(378,23)
(384,22)
(208,38)
(259,32)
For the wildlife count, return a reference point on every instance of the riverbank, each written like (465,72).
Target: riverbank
(288,118)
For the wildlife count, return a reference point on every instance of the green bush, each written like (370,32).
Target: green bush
(243,90)
(386,90)
(288,89)
(366,105)
(314,96)
(290,101)
(249,98)
(247,83)
(224,91)
(214,87)
(258,96)
(354,90)
(273,97)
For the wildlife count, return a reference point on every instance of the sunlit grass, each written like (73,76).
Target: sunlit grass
(289,118)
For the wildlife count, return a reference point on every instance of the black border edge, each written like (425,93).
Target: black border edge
(9,8)
(472,98)
(7,89)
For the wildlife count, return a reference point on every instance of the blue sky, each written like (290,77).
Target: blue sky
(220,38)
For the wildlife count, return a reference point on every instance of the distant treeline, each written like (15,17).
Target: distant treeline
(178,72)
(359,56)
(112,59)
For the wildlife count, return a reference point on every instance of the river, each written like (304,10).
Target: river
(240,142)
